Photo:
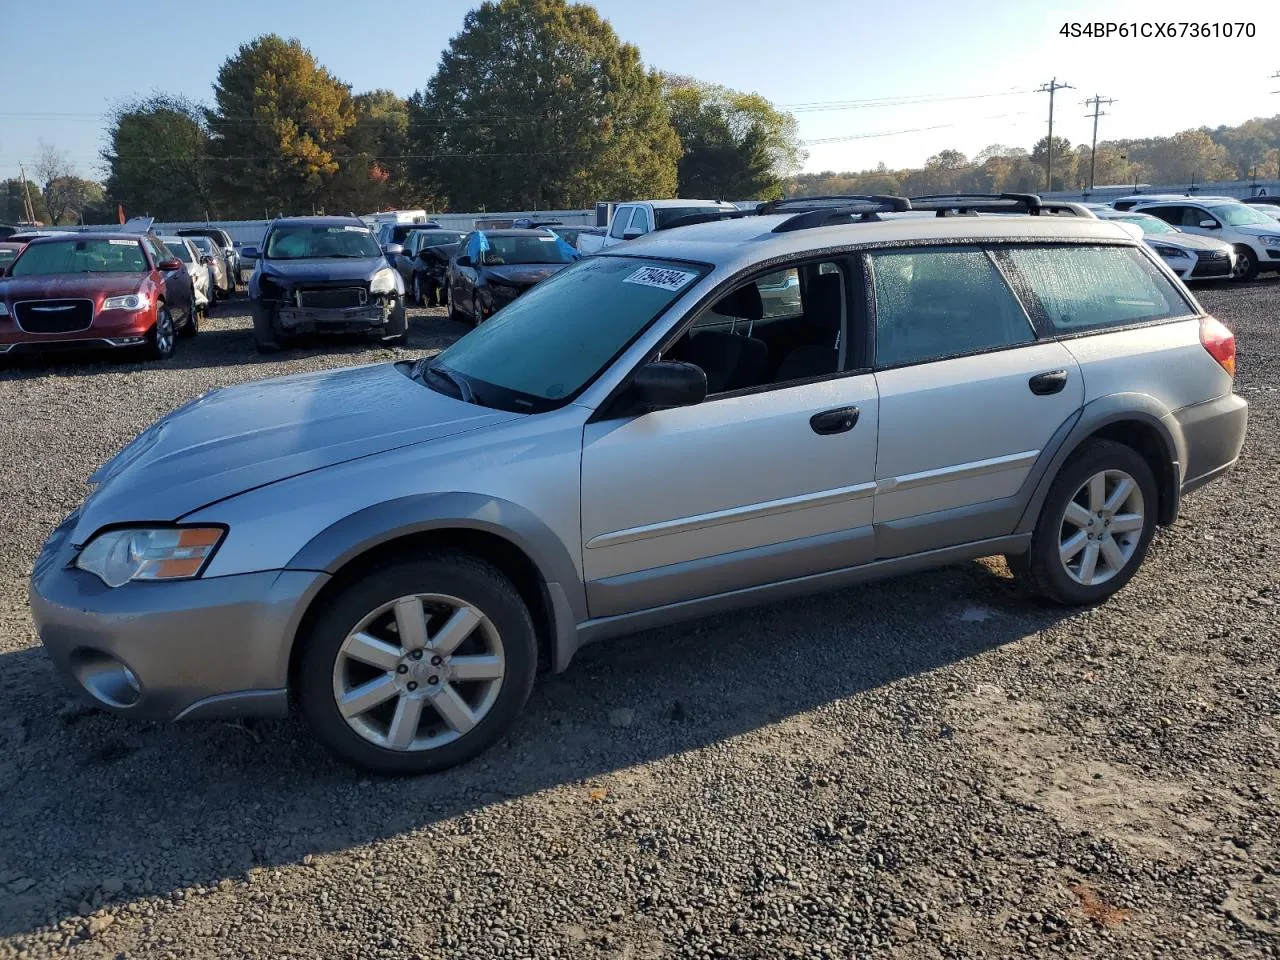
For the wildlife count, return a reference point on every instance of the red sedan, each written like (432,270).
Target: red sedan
(82,290)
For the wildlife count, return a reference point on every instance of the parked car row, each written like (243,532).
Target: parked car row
(830,392)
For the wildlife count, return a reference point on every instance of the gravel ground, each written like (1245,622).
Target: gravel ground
(926,767)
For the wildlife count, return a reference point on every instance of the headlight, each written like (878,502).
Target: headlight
(134,301)
(384,281)
(173,553)
(1168,251)
(1271,241)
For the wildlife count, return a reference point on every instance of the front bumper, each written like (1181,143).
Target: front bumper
(109,328)
(1213,432)
(294,319)
(1211,269)
(163,651)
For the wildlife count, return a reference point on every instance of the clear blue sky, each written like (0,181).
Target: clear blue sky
(64,64)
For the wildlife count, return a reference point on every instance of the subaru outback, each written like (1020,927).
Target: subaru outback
(645,437)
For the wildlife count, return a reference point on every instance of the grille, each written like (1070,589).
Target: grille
(54,316)
(1211,255)
(334,298)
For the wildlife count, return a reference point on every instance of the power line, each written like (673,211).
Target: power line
(1052,87)
(894,133)
(1096,102)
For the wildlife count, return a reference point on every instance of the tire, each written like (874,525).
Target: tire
(398,326)
(477,317)
(265,336)
(192,326)
(1246,267)
(417,292)
(161,338)
(440,586)
(1062,580)
(455,313)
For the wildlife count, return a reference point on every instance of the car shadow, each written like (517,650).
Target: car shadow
(101,810)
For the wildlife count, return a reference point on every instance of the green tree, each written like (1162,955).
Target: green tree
(13,203)
(158,159)
(67,198)
(279,125)
(537,103)
(735,145)
(374,172)
(1065,167)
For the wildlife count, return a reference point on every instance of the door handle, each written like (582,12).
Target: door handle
(1044,384)
(840,420)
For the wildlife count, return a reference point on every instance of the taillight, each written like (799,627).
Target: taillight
(1220,342)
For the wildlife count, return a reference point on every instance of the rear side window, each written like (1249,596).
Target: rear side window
(1080,289)
(934,304)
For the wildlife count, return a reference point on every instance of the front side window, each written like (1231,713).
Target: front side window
(80,256)
(1090,288)
(177,249)
(552,341)
(621,217)
(308,242)
(933,304)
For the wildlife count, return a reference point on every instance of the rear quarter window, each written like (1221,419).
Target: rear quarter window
(1082,289)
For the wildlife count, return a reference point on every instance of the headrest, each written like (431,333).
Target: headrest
(743,304)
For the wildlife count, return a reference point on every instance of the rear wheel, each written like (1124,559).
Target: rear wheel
(161,338)
(192,326)
(417,291)
(1094,528)
(1246,267)
(418,666)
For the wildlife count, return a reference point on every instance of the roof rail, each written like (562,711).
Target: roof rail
(963,203)
(691,219)
(805,204)
(866,210)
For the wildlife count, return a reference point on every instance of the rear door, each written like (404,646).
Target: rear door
(969,398)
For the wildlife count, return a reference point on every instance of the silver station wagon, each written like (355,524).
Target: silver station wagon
(395,549)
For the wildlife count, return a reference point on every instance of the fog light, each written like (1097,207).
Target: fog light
(105,678)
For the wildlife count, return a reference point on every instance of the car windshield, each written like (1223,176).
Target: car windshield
(540,350)
(80,256)
(438,238)
(177,248)
(1149,224)
(1239,215)
(665,215)
(545,248)
(307,242)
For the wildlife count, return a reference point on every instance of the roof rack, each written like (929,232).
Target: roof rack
(691,219)
(965,203)
(805,204)
(866,209)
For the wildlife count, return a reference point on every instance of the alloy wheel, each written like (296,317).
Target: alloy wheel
(164,332)
(419,672)
(1101,527)
(1244,264)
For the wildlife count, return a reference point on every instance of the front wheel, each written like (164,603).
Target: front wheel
(1246,267)
(418,666)
(161,340)
(1094,527)
(417,291)
(398,326)
(192,326)
(265,336)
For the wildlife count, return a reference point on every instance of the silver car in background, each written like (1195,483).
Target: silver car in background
(197,269)
(394,549)
(219,280)
(1189,256)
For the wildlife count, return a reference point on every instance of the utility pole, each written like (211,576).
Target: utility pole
(1052,87)
(30,210)
(1096,102)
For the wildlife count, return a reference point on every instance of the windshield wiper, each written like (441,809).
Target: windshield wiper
(430,368)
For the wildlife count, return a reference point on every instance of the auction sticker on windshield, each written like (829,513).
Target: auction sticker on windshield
(661,277)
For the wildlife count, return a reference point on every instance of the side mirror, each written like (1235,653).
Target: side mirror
(1210,224)
(670,383)
(632,233)
(249,253)
(392,250)
(167,266)
(463,260)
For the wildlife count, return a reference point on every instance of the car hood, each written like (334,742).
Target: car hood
(1259,229)
(325,269)
(525,274)
(71,285)
(237,438)
(1187,241)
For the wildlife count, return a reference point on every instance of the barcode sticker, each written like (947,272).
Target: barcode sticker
(662,277)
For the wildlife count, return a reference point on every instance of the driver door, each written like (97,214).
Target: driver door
(752,486)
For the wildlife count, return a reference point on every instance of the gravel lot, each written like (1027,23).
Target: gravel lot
(926,767)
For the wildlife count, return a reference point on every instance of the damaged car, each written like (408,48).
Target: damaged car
(324,275)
